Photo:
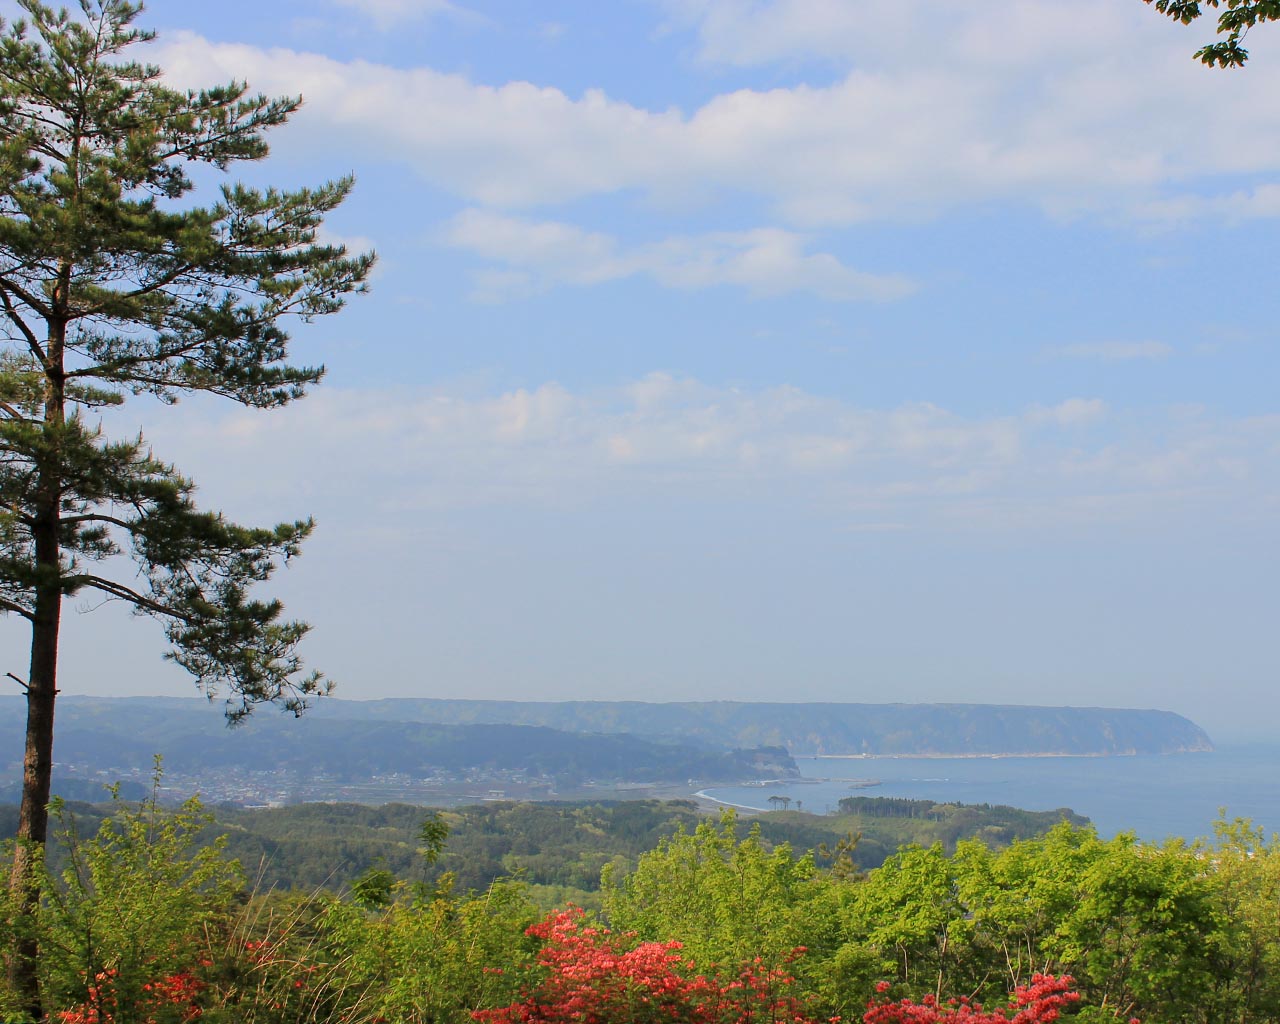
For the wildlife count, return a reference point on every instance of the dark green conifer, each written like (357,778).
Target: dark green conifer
(113,286)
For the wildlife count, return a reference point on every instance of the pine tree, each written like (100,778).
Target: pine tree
(113,286)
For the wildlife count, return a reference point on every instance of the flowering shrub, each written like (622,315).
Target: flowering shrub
(593,977)
(254,969)
(131,904)
(172,998)
(1041,1002)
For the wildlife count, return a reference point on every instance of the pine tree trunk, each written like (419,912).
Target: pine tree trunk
(42,680)
(37,775)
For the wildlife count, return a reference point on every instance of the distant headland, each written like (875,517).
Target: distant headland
(825,728)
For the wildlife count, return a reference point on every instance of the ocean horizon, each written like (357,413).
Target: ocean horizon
(1155,796)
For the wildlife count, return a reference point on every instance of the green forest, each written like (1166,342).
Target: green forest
(557,850)
(477,914)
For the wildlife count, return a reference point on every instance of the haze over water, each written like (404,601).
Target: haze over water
(1155,796)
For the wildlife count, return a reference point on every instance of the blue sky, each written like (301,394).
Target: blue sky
(764,349)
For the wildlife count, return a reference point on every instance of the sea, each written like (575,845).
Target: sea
(1154,796)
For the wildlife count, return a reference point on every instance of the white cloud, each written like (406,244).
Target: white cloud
(1015,32)
(386,14)
(769,261)
(1113,351)
(1096,110)
(1072,412)
(1262,201)
(664,439)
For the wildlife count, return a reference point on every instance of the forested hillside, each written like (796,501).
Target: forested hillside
(272,757)
(559,849)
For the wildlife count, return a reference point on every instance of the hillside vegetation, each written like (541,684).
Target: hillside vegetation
(148,920)
(558,849)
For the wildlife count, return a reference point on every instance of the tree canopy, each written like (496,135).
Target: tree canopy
(1235,19)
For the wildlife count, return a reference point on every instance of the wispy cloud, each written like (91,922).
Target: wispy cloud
(749,33)
(663,438)
(538,255)
(1113,351)
(1259,202)
(1072,412)
(1090,111)
(387,14)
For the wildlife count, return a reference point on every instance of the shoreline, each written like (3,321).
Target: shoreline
(703,797)
(995,756)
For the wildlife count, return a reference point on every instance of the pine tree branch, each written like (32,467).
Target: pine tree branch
(113,366)
(17,609)
(43,145)
(141,291)
(15,414)
(11,311)
(124,593)
(8,285)
(192,150)
(29,86)
(18,513)
(98,517)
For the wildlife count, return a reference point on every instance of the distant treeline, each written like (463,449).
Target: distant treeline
(893,807)
(559,849)
(901,807)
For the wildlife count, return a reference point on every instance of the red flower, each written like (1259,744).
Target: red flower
(595,976)
(1040,1002)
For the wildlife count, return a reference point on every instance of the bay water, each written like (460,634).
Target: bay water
(1154,796)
